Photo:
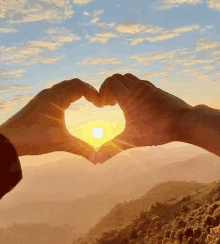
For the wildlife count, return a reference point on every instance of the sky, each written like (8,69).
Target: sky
(175,44)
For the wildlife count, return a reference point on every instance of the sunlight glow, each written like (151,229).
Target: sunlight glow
(103,130)
(97,133)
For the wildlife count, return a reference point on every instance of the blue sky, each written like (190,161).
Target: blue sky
(175,44)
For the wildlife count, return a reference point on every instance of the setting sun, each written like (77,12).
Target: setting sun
(97,133)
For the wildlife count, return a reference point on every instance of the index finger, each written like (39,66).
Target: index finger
(69,91)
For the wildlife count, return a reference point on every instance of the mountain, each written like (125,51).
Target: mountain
(191,217)
(70,179)
(126,211)
(64,192)
(202,168)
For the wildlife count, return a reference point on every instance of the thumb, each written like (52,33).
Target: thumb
(76,146)
(112,148)
(113,91)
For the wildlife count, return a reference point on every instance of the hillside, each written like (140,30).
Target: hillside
(126,211)
(191,218)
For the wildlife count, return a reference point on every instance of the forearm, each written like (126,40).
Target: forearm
(10,168)
(201,127)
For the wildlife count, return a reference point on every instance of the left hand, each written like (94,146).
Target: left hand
(40,128)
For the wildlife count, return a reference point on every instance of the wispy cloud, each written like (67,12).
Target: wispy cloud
(148,58)
(163,35)
(100,61)
(8,106)
(95,17)
(86,13)
(112,24)
(15,73)
(24,11)
(214,4)
(7,30)
(137,28)
(167,4)
(34,52)
(50,60)
(82,2)
(101,37)
(205,44)
(14,88)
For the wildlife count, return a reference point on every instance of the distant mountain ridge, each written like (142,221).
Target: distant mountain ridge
(100,191)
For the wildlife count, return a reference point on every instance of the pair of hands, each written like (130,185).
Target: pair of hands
(153,117)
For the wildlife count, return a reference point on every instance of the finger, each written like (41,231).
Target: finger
(129,83)
(112,91)
(132,77)
(112,148)
(76,146)
(91,94)
(67,92)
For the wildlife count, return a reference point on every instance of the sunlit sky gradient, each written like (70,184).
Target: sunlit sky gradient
(175,44)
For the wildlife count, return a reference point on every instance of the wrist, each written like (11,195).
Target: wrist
(11,136)
(201,127)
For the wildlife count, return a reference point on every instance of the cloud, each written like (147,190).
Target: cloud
(101,37)
(50,60)
(192,71)
(24,11)
(16,73)
(169,34)
(86,13)
(7,30)
(147,59)
(214,4)
(194,61)
(14,88)
(38,51)
(94,20)
(8,106)
(98,12)
(104,25)
(95,17)
(205,44)
(208,27)
(136,41)
(167,4)
(137,28)
(130,29)
(82,2)
(162,37)
(100,61)
(160,34)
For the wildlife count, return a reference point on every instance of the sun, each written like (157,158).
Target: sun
(97,133)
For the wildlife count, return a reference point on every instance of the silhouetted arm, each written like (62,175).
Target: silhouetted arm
(201,127)
(155,117)
(10,167)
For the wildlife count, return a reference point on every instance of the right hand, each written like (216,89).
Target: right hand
(153,116)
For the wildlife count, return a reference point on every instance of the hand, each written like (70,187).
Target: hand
(153,116)
(39,127)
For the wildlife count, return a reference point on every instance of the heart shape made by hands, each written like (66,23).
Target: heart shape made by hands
(152,116)
(86,121)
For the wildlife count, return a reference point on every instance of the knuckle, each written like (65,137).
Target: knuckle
(43,93)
